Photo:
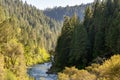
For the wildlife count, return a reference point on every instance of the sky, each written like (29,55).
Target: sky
(43,4)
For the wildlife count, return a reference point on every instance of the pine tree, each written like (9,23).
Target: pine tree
(78,53)
(63,44)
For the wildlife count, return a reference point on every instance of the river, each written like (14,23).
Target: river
(38,72)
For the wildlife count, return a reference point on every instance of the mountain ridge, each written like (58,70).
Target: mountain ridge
(66,11)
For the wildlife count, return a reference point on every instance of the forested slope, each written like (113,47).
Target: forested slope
(33,22)
(36,31)
(93,40)
(26,35)
(58,13)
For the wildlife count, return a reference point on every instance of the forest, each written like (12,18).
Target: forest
(85,43)
(89,49)
(24,39)
(58,13)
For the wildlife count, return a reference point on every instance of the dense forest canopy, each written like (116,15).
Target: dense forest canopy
(93,40)
(26,35)
(33,19)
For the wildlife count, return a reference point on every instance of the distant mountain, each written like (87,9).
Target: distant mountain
(58,13)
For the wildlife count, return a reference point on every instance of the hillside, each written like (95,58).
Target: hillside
(94,40)
(90,50)
(58,13)
(33,18)
(26,35)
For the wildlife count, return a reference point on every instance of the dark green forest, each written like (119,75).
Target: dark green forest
(89,42)
(84,40)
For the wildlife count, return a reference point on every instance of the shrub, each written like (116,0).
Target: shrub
(75,74)
(111,68)
(1,67)
(9,75)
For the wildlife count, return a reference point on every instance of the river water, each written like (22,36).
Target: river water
(38,72)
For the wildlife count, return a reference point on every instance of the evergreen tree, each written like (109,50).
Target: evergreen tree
(2,14)
(63,44)
(90,31)
(100,31)
(78,53)
(97,36)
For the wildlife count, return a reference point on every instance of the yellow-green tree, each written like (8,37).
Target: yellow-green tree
(75,74)
(14,58)
(2,70)
(110,69)
(2,14)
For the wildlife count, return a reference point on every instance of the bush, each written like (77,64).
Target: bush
(9,75)
(40,56)
(75,74)
(2,70)
(94,69)
(111,68)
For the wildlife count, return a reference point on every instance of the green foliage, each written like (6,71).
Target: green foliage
(9,75)
(71,45)
(109,70)
(36,29)
(75,74)
(13,51)
(24,39)
(112,36)
(78,55)
(63,43)
(6,30)
(13,41)
(40,56)
(14,60)
(98,35)
(2,14)
(2,70)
